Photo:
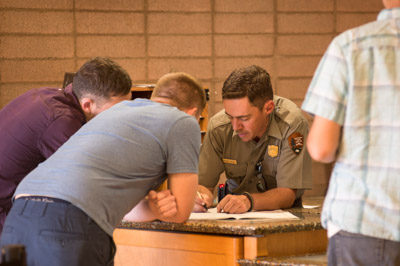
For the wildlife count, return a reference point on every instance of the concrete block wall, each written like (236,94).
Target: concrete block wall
(40,40)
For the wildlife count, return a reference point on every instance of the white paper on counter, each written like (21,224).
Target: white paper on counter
(212,214)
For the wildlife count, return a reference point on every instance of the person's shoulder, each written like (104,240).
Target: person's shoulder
(171,115)
(62,103)
(363,35)
(172,112)
(220,119)
(288,111)
(47,100)
(38,93)
(182,126)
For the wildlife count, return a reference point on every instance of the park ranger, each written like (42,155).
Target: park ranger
(258,141)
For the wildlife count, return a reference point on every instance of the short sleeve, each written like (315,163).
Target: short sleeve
(327,92)
(183,146)
(210,163)
(294,168)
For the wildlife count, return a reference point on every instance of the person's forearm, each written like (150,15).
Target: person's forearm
(140,213)
(322,155)
(183,186)
(180,217)
(143,213)
(323,140)
(277,198)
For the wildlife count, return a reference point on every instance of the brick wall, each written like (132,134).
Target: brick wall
(42,39)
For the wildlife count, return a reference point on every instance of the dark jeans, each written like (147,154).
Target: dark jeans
(349,249)
(57,233)
(3,215)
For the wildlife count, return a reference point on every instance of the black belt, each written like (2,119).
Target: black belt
(43,199)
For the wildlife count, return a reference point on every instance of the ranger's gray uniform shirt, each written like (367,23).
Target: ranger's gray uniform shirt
(286,162)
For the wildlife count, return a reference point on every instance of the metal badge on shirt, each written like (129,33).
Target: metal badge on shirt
(296,142)
(273,151)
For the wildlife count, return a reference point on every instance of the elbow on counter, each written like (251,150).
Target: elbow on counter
(178,218)
(181,220)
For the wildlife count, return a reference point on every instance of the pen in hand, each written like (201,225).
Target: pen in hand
(201,197)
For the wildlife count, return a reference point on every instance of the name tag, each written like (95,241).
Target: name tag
(230,161)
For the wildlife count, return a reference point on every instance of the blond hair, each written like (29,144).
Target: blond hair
(182,89)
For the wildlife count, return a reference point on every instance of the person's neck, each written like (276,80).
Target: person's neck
(257,138)
(162,100)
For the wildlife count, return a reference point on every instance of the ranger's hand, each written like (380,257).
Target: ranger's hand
(203,202)
(234,204)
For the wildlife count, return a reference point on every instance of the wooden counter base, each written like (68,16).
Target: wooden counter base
(147,247)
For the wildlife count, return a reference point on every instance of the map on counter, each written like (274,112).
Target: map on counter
(212,214)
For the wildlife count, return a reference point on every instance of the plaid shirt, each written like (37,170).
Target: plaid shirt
(357,85)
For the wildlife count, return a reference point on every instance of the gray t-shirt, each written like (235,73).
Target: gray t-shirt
(113,161)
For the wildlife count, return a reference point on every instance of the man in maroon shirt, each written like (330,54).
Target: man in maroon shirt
(34,125)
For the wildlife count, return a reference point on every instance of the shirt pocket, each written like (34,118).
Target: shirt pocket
(237,172)
(270,165)
(270,169)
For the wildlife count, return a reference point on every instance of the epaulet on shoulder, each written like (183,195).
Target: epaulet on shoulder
(219,119)
(288,111)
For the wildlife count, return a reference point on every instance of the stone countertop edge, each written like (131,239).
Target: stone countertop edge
(309,221)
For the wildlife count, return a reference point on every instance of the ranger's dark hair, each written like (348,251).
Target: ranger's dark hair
(253,82)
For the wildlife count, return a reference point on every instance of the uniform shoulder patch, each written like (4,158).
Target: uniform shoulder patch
(296,142)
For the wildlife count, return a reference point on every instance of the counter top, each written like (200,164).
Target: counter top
(309,260)
(309,220)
